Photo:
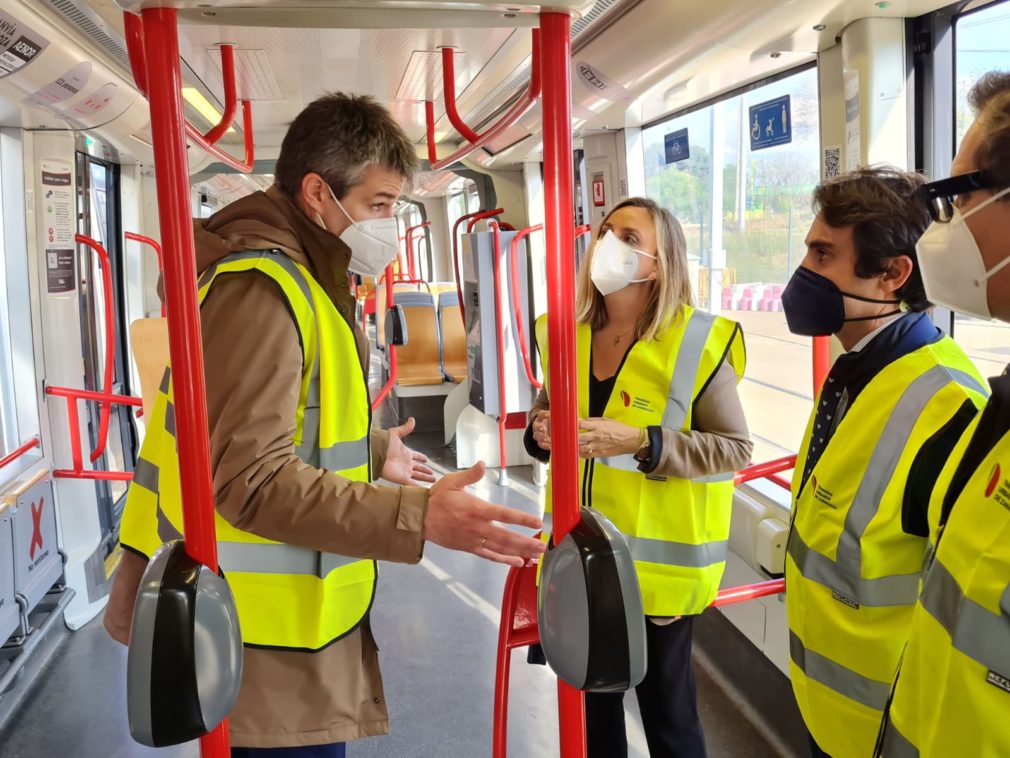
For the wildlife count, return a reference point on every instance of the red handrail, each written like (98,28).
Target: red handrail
(767,470)
(500,348)
(473,218)
(159,39)
(157,251)
(507,121)
(13,455)
(732,595)
(409,236)
(106,400)
(105,408)
(558,202)
(821,356)
(136,49)
(389,284)
(449,95)
(230,96)
(517,303)
(584,229)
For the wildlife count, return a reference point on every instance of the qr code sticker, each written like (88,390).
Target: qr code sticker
(832,162)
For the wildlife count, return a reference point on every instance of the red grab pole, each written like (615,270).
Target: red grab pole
(556,61)
(168,130)
(391,381)
(517,305)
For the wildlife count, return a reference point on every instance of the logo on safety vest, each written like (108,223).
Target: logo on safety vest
(822,494)
(626,398)
(994,477)
(844,600)
(998,680)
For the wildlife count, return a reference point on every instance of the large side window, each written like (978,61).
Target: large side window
(982,43)
(745,215)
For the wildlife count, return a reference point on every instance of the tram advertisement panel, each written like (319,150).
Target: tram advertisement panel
(19,45)
(58,220)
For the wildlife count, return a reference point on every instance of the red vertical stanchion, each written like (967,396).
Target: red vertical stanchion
(164,80)
(557,108)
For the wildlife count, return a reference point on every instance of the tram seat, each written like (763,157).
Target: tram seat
(149,337)
(418,361)
(453,337)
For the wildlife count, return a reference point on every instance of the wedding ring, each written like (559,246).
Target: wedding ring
(483,541)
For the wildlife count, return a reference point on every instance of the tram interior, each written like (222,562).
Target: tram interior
(669,100)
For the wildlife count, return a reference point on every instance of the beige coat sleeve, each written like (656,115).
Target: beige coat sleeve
(253,368)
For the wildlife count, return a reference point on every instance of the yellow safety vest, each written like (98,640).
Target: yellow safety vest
(952,695)
(287,596)
(852,574)
(678,528)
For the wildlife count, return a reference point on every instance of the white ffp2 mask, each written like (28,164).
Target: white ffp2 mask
(615,264)
(952,267)
(373,242)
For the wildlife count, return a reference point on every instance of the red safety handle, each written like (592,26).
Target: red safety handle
(230,96)
(105,408)
(411,263)
(13,455)
(472,218)
(387,277)
(507,121)
(517,303)
(137,51)
(157,251)
(767,470)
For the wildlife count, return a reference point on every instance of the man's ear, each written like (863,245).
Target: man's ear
(899,268)
(314,192)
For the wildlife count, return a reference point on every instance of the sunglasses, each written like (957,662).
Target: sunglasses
(940,195)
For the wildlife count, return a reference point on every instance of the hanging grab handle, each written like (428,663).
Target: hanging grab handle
(473,218)
(517,304)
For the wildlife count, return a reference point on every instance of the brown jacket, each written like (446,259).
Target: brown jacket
(253,366)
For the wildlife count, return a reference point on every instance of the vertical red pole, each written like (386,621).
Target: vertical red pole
(557,115)
(499,336)
(184,337)
(821,361)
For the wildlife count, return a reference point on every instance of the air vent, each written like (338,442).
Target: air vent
(94,28)
(598,11)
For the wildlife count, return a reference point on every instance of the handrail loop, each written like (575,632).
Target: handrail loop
(516,111)
(473,218)
(517,304)
(409,237)
(157,251)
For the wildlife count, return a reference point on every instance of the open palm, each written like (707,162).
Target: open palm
(403,465)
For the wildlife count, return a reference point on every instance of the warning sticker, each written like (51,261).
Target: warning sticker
(58,216)
(19,45)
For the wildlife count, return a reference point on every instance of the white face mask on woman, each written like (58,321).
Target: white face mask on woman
(615,264)
(953,269)
(372,242)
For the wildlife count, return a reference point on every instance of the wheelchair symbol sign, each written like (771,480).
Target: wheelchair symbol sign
(771,123)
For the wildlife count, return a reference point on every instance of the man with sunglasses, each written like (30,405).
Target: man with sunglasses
(952,693)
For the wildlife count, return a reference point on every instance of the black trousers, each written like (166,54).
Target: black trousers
(666,698)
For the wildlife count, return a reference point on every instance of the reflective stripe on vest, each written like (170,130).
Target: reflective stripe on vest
(869,692)
(843,574)
(895,745)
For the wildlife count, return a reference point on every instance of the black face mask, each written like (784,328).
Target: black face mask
(815,307)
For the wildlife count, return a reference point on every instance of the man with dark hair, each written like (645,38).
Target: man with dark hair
(299,524)
(952,694)
(890,410)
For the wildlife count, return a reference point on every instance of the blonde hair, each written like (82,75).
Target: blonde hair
(668,294)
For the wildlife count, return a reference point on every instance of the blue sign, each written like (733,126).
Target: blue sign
(677,146)
(771,123)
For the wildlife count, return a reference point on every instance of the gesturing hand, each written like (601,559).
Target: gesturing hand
(460,521)
(403,465)
(604,438)
(542,429)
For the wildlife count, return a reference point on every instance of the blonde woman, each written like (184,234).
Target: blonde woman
(661,432)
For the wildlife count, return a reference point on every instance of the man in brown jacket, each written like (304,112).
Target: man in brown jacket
(343,161)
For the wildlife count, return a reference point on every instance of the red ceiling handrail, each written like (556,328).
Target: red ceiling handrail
(409,237)
(13,455)
(105,408)
(517,303)
(499,336)
(230,96)
(136,49)
(449,95)
(157,251)
(507,121)
(393,369)
(473,218)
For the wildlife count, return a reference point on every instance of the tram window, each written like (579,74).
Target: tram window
(981,44)
(760,218)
